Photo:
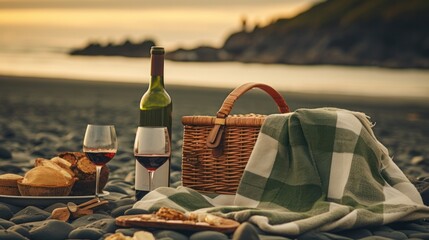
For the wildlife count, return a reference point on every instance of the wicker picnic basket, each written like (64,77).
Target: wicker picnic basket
(216,148)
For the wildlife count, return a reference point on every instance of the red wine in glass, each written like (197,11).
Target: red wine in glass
(100,158)
(100,145)
(152,149)
(152,162)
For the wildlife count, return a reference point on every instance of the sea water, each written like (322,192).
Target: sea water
(361,81)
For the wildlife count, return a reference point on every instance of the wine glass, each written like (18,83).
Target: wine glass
(152,149)
(100,145)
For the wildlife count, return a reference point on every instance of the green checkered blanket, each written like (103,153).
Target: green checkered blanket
(313,169)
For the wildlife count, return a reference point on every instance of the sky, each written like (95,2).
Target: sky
(36,36)
(127,4)
(173,23)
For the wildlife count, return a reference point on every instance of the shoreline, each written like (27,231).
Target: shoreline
(302,96)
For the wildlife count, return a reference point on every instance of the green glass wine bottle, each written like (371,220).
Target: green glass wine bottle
(155,110)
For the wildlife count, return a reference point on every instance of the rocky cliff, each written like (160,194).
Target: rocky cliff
(127,49)
(387,33)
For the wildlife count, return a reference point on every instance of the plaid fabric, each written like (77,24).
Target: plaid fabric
(313,169)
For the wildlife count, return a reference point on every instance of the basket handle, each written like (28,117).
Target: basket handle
(215,136)
(229,101)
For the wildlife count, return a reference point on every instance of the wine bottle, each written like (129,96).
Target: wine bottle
(155,110)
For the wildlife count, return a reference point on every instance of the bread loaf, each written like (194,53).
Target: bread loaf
(9,185)
(84,170)
(65,171)
(45,176)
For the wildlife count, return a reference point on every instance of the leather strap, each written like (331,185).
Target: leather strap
(216,135)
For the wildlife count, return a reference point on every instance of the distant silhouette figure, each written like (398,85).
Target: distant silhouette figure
(243,23)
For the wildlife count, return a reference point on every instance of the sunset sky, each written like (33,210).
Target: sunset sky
(37,35)
(170,22)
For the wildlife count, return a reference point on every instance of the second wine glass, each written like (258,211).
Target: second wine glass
(152,149)
(100,145)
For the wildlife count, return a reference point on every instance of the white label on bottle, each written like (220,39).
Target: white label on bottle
(160,178)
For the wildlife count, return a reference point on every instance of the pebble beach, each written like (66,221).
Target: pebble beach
(43,117)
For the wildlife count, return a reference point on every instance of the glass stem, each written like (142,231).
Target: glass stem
(97,180)
(151,180)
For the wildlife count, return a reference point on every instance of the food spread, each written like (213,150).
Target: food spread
(68,170)
(173,219)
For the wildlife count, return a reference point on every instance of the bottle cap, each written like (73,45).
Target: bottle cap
(155,50)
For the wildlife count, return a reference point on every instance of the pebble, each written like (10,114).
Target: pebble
(245,231)
(408,232)
(391,234)
(11,235)
(5,153)
(382,228)
(31,225)
(45,138)
(51,229)
(212,235)
(5,212)
(43,152)
(30,214)
(419,235)
(21,230)
(272,237)
(86,233)
(375,238)
(123,202)
(176,166)
(175,176)
(107,225)
(313,236)
(168,234)
(65,149)
(12,208)
(115,188)
(134,211)
(22,157)
(356,233)
(87,219)
(113,196)
(416,227)
(123,158)
(10,168)
(113,167)
(333,236)
(6,224)
(53,206)
(8,133)
(176,184)
(128,231)
(129,177)
(121,210)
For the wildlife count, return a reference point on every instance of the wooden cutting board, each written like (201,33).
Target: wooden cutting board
(145,221)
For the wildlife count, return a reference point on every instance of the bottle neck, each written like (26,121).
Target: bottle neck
(157,72)
(156,83)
